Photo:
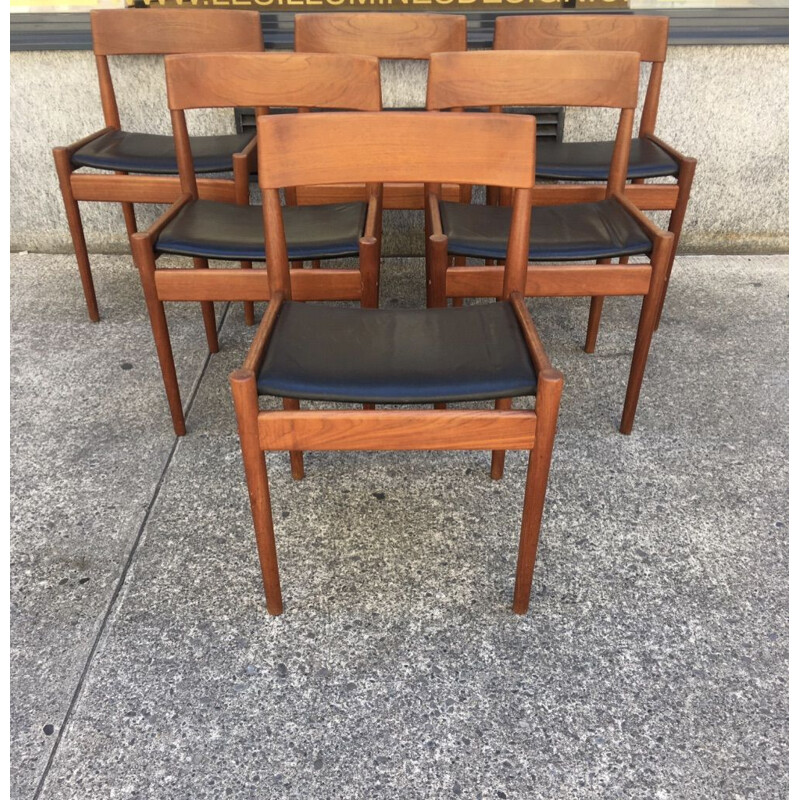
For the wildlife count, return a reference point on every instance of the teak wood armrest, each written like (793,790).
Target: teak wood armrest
(434,216)
(535,347)
(75,146)
(669,149)
(652,231)
(245,163)
(151,234)
(373,223)
(249,155)
(255,355)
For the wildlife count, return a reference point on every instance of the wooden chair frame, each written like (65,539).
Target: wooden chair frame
(412,37)
(494,78)
(220,80)
(397,149)
(155,32)
(649,37)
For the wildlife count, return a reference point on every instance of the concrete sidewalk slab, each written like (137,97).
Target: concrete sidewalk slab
(652,662)
(90,437)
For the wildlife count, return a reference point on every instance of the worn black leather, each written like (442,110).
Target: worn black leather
(589,161)
(324,352)
(230,232)
(154,154)
(576,232)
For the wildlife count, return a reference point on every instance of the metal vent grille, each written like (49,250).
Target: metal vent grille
(549,119)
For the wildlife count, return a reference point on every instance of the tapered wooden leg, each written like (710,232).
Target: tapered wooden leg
(295,456)
(647,322)
(548,397)
(499,456)
(249,306)
(685,179)
(209,317)
(245,400)
(130,218)
(595,312)
(64,170)
(145,262)
(128,213)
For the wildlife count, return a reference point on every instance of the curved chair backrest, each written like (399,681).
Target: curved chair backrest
(126,31)
(644,35)
(493,149)
(501,78)
(160,31)
(390,36)
(525,77)
(295,80)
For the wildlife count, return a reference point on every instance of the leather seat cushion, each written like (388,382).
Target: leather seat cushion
(575,232)
(339,354)
(154,154)
(589,161)
(226,231)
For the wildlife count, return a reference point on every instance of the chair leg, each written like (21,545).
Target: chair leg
(685,179)
(499,456)
(245,400)
(548,397)
(209,317)
(64,171)
(647,322)
(459,261)
(595,312)
(130,218)
(249,305)
(145,262)
(437,274)
(128,213)
(369,263)
(369,260)
(241,181)
(295,456)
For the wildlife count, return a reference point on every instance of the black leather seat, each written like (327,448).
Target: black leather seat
(396,355)
(589,161)
(225,231)
(575,232)
(153,154)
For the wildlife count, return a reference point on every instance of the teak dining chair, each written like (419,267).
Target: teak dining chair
(579,162)
(396,356)
(413,37)
(608,228)
(142,167)
(205,229)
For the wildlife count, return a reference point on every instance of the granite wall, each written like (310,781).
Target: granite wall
(727,106)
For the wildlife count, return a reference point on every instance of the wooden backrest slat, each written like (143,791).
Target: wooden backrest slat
(220,80)
(517,77)
(159,31)
(642,34)
(296,150)
(398,36)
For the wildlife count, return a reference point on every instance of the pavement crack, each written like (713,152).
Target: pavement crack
(112,603)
